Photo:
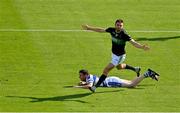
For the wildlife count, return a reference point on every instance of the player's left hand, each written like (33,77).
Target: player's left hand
(145,47)
(81,83)
(78,86)
(85,27)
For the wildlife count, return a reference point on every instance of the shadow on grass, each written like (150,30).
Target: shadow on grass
(73,97)
(121,87)
(56,98)
(158,38)
(68,87)
(146,85)
(139,88)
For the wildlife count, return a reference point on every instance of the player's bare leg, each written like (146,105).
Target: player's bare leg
(133,83)
(108,68)
(125,66)
(137,80)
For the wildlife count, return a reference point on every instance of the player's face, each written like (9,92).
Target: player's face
(119,25)
(82,77)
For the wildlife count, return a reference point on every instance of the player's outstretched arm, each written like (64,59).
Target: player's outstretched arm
(138,45)
(84,86)
(96,29)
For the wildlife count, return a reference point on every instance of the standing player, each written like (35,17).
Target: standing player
(119,38)
(88,80)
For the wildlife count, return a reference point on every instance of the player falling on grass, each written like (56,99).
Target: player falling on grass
(88,80)
(119,39)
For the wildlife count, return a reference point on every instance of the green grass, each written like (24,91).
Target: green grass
(37,67)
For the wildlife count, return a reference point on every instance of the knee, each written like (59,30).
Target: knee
(121,66)
(131,85)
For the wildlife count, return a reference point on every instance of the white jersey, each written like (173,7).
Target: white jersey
(108,82)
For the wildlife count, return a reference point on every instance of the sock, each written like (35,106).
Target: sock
(146,74)
(101,79)
(130,67)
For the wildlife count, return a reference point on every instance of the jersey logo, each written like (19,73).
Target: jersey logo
(118,41)
(113,33)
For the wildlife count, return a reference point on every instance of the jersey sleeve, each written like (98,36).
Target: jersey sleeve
(109,29)
(127,37)
(89,80)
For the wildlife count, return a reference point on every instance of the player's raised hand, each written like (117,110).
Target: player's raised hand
(146,47)
(85,26)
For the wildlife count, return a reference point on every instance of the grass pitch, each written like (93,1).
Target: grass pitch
(37,68)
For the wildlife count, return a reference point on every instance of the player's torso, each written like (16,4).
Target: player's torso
(92,79)
(108,82)
(118,37)
(118,41)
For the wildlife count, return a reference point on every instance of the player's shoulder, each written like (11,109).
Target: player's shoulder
(123,31)
(90,76)
(110,29)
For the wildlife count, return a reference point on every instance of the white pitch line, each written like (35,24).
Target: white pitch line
(153,31)
(75,30)
(89,112)
(40,30)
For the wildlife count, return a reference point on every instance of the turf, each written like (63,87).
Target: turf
(38,68)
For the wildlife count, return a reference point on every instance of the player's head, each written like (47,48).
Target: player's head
(119,24)
(82,74)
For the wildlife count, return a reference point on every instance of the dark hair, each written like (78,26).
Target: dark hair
(119,20)
(84,71)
